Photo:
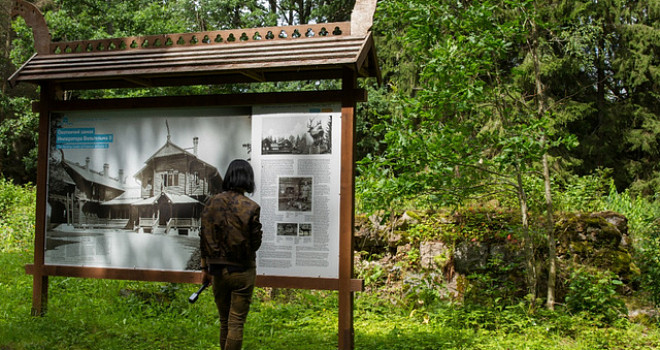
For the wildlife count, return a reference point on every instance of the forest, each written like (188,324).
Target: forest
(524,132)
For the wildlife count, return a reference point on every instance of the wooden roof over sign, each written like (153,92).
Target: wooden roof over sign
(303,52)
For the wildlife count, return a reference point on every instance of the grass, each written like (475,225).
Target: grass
(110,314)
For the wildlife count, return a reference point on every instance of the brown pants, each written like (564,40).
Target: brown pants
(233,295)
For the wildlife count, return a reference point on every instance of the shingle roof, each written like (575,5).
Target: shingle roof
(93,176)
(171,198)
(319,51)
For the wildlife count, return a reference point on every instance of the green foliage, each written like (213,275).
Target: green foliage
(466,113)
(641,212)
(469,131)
(498,285)
(372,274)
(582,193)
(423,231)
(649,261)
(596,192)
(615,48)
(425,292)
(17,216)
(594,292)
(18,137)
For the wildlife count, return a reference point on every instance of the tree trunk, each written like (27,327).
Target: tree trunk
(541,110)
(552,245)
(5,38)
(528,244)
(273,6)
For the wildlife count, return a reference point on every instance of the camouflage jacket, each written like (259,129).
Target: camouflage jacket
(231,230)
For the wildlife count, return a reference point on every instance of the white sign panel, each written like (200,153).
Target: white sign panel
(296,156)
(126,187)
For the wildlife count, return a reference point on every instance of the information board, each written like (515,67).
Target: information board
(126,187)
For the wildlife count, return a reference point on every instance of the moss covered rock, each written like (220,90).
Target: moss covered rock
(599,240)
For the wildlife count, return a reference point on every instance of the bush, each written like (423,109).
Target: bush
(649,262)
(499,284)
(17,216)
(593,292)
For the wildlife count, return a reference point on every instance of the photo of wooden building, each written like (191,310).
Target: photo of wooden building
(174,183)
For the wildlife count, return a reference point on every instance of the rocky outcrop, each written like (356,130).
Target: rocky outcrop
(485,243)
(597,239)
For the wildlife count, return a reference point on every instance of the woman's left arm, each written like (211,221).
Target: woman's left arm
(255,230)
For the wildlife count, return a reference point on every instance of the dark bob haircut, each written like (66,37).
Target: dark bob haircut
(239,177)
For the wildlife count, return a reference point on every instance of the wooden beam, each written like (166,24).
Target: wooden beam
(268,98)
(139,81)
(40,278)
(346,212)
(254,75)
(194,277)
(322,58)
(362,17)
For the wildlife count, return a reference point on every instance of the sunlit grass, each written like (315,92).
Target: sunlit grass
(110,314)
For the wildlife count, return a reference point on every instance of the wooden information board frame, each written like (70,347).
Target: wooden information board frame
(362,63)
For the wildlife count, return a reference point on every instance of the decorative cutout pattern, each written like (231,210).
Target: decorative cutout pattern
(224,37)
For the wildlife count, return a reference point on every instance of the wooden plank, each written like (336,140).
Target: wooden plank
(186,68)
(262,60)
(254,48)
(366,51)
(40,278)
(260,56)
(204,78)
(193,277)
(347,213)
(329,53)
(267,98)
(146,72)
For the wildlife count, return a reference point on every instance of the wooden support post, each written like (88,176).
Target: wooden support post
(346,212)
(40,279)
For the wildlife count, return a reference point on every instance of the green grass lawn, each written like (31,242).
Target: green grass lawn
(109,314)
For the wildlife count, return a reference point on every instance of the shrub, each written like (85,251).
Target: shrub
(17,215)
(497,285)
(649,261)
(593,292)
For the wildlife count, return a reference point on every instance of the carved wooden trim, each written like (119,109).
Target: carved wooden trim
(361,22)
(203,39)
(36,21)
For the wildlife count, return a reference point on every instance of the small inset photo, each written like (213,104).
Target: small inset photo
(287,229)
(305,230)
(296,135)
(295,194)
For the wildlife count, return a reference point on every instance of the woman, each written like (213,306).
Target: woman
(231,235)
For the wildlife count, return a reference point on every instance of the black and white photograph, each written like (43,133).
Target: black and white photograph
(127,188)
(287,229)
(297,135)
(295,194)
(305,230)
